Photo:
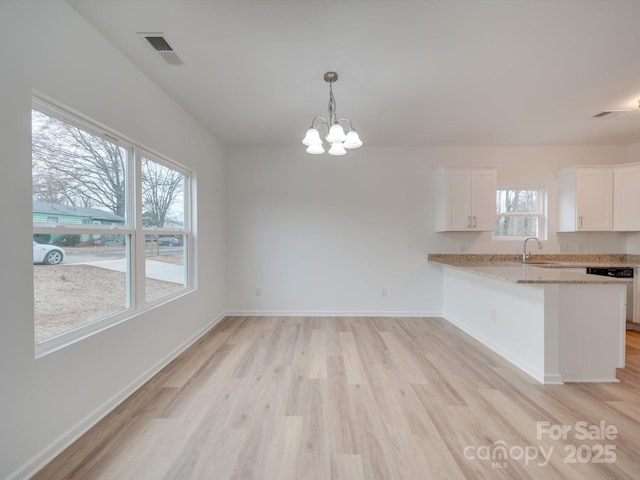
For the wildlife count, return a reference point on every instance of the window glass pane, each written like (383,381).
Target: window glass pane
(162,195)
(78,177)
(164,265)
(518,201)
(77,280)
(520,226)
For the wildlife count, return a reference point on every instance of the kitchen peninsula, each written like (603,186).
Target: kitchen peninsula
(547,316)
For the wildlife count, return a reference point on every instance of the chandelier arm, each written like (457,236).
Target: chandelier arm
(321,121)
(346,120)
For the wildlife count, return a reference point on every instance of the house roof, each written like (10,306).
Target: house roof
(93,213)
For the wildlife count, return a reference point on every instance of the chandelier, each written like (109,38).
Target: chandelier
(336,137)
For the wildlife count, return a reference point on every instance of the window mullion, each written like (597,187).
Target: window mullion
(189,273)
(139,243)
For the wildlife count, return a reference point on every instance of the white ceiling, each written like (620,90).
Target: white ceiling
(412,73)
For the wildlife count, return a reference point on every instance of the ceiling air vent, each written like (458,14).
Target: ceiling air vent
(609,113)
(159,43)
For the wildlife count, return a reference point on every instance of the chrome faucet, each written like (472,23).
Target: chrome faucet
(525,254)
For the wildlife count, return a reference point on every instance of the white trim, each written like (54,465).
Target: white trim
(633,326)
(592,379)
(137,281)
(553,379)
(36,463)
(330,313)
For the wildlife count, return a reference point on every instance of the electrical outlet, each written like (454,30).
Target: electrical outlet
(493,315)
(258,292)
(384,292)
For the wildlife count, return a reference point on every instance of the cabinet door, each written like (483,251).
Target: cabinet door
(458,199)
(626,198)
(594,199)
(483,199)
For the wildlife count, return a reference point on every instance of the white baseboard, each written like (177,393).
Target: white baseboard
(329,313)
(591,379)
(32,466)
(553,379)
(633,326)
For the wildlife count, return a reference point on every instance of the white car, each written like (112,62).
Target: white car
(47,254)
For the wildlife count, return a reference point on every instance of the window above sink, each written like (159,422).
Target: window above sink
(520,213)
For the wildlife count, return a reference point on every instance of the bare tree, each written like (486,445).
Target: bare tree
(516,201)
(160,188)
(74,167)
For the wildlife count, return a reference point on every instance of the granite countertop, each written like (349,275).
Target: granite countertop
(540,268)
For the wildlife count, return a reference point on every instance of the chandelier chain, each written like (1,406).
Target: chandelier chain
(332,106)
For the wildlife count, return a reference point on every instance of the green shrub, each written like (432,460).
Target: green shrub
(70,239)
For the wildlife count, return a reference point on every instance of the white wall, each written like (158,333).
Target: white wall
(49,48)
(633,239)
(327,234)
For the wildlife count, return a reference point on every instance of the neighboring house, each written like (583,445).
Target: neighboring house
(44,212)
(69,215)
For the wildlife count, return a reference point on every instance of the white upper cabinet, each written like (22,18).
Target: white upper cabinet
(626,197)
(585,199)
(466,199)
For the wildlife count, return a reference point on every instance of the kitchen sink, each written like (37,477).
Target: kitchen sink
(533,264)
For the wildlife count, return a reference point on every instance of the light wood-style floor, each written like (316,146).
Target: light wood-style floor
(355,398)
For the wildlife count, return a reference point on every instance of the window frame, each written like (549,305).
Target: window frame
(132,228)
(541,215)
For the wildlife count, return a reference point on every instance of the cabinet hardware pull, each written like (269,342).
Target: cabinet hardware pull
(580,222)
(475,222)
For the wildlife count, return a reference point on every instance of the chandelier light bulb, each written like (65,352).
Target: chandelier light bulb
(337,148)
(312,137)
(315,149)
(336,134)
(352,140)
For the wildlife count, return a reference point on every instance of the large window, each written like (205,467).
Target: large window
(520,213)
(116,218)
